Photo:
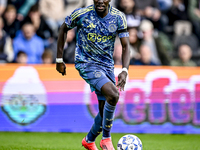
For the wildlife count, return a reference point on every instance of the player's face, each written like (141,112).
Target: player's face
(101,6)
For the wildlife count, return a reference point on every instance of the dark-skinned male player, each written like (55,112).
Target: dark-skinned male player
(97,27)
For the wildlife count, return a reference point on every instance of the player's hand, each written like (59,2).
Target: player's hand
(61,68)
(121,80)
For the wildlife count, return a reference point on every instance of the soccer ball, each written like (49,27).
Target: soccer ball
(129,142)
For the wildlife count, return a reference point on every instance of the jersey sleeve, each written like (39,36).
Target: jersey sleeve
(122,26)
(71,21)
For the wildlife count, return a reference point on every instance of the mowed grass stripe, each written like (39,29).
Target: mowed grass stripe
(72,141)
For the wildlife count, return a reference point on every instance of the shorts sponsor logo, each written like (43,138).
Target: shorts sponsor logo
(97,74)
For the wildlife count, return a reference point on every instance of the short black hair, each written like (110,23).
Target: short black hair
(20,53)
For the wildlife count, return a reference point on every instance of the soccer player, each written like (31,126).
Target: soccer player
(97,27)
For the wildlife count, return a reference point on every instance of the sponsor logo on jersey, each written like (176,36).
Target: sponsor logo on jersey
(98,38)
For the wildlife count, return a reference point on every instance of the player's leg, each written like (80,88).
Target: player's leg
(89,141)
(97,77)
(97,126)
(112,95)
(101,106)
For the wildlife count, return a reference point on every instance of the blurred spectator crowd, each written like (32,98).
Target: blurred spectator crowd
(161,32)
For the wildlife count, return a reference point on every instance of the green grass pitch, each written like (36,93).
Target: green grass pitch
(72,141)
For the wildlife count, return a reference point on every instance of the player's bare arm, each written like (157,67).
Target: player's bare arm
(125,63)
(60,65)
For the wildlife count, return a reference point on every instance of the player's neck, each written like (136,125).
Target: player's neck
(102,14)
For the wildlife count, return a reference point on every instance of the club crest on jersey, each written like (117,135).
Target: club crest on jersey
(112,28)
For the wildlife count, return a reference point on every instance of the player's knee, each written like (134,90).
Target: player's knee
(113,98)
